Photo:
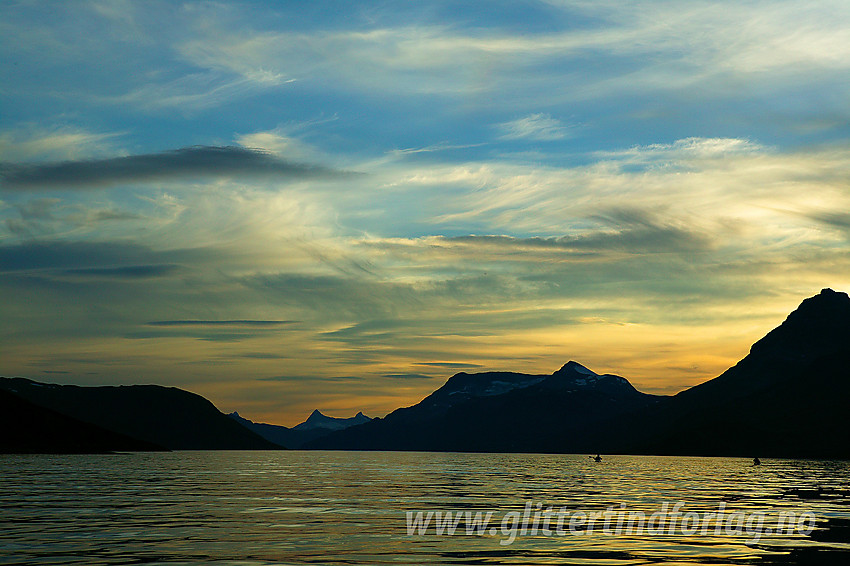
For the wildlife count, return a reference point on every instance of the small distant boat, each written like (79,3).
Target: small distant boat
(598,458)
(756,461)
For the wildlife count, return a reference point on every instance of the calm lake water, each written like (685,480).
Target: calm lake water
(296,507)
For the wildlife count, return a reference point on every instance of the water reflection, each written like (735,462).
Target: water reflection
(343,507)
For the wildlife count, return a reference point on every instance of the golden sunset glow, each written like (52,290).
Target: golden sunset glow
(284,213)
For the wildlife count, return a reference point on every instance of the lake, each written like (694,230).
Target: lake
(301,507)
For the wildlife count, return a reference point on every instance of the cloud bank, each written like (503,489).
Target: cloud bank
(200,161)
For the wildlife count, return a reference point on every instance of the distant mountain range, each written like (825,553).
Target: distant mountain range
(316,426)
(502,412)
(787,397)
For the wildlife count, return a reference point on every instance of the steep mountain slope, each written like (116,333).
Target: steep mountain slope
(165,416)
(787,397)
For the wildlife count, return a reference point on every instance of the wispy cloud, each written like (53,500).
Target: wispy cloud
(434,148)
(196,92)
(65,255)
(30,144)
(42,217)
(123,272)
(278,142)
(311,378)
(450,365)
(635,232)
(831,219)
(238,322)
(648,46)
(408,376)
(686,149)
(536,127)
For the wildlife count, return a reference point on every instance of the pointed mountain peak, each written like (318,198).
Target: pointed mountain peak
(574,367)
(316,418)
(359,414)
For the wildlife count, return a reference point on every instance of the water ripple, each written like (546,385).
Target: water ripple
(261,508)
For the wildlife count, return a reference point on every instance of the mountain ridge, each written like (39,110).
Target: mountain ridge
(758,406)
(458,416)
(165,416)
(786,397)
(297,436)
(317,420)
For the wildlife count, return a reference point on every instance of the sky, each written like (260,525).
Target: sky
(285,206)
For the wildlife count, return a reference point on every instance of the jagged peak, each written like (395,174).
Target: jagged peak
(236,416)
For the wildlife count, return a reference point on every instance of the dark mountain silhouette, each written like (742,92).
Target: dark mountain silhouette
(502,411)
(30,429)
(165,416)
(788,397)
(316,426)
